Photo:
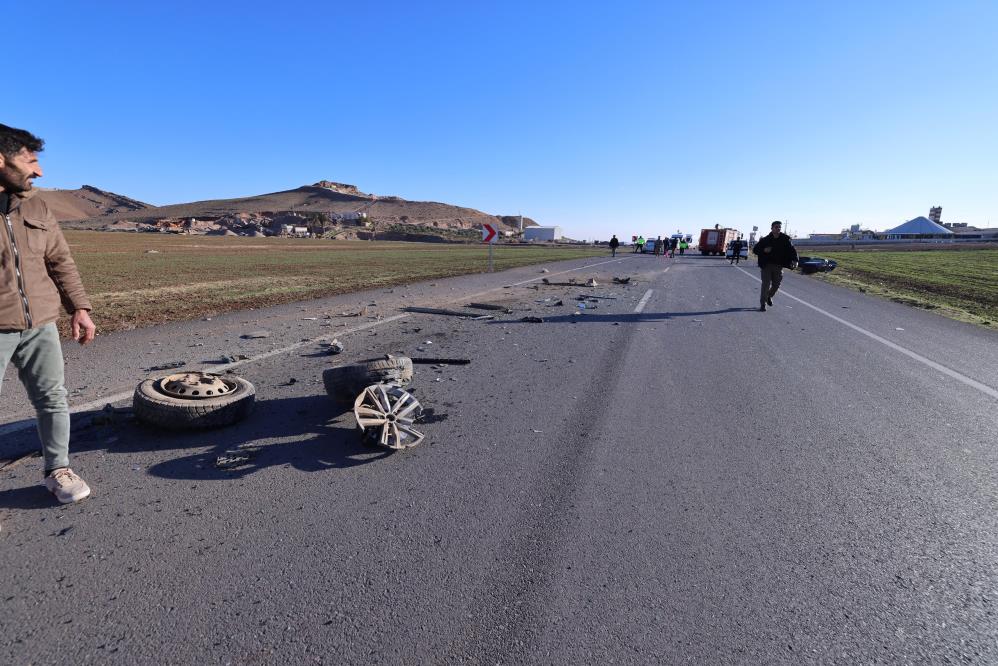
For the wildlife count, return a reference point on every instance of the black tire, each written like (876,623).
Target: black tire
(156,408)
(346,381)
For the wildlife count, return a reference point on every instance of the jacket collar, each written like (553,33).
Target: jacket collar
(18,197)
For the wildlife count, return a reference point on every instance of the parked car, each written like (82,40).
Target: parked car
(815,264)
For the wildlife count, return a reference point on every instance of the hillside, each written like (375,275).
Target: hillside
(88,202)
(333,209)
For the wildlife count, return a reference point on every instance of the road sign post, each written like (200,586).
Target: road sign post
(489,236)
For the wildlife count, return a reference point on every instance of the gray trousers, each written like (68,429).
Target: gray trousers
(37,355)
(772,276)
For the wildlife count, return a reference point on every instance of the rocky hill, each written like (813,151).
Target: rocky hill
(326,208)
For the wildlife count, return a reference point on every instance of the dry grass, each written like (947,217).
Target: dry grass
(188,277)
(959,283)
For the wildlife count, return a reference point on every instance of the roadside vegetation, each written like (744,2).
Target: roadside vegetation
(139,280)
(958,283)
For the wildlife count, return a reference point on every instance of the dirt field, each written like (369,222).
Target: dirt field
(139,280)
(959,283)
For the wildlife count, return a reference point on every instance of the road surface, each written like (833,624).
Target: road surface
(669,477)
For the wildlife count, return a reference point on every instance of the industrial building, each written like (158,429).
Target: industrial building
(535,234)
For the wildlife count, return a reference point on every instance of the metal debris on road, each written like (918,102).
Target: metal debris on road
(333,347)
(489,306)
(255,335)
(620,280)
(441,361)
(167,366)
(592,283)
(594,296)
(234,458)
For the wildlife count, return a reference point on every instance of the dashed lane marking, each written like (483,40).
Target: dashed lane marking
(643,302)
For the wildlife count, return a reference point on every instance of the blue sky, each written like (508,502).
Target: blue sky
(625,117)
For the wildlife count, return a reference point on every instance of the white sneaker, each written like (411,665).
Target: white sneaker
(67,486)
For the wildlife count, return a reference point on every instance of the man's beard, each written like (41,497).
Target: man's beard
(12,184)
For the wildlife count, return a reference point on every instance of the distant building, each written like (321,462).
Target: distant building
(920,227)
(549,234)
(936,214)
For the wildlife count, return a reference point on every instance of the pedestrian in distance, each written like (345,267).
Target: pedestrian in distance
(658,246)
(775,252)
(639,245)
(38,273)
(683,245)
(614,244)
(736,251)
(673,244)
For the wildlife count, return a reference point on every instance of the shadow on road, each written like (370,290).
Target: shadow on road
(590,317)
(312,434)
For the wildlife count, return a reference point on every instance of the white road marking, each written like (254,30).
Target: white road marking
(9,428)
(973,383)
(643,302)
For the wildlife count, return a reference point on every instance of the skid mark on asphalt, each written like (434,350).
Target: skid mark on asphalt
(118,397)
(949,372)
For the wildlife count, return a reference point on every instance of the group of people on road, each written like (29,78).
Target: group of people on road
(660,246)
(775,251)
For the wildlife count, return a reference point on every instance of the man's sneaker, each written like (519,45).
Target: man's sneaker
(67,486)
(769,300)
(762,308)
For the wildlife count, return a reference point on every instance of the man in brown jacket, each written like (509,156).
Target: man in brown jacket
(37,273)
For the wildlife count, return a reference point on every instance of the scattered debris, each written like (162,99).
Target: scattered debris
(441,361)
(489,306)
(595,297)
(440,311)
(111,415)
(309,318)
(620,280)
(255,335)
(291,382)
(570,283)
(235,458)
(333,347)
(532,320)
(592,283)
(898,329)
(557,303)
(544,270)
(167,366)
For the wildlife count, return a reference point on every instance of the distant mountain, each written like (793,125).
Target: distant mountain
(337,208)
(87,202)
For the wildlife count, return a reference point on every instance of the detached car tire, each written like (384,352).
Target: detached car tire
(154,407)
(344,382)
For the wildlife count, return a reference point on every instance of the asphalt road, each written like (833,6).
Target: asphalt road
(669,477)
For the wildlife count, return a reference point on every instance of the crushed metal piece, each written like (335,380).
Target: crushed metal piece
(234,459)
(255,334)
(167,366)
(620,280)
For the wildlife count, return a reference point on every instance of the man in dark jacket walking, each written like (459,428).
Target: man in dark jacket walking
(775,252)
(37,275)
(614,244)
